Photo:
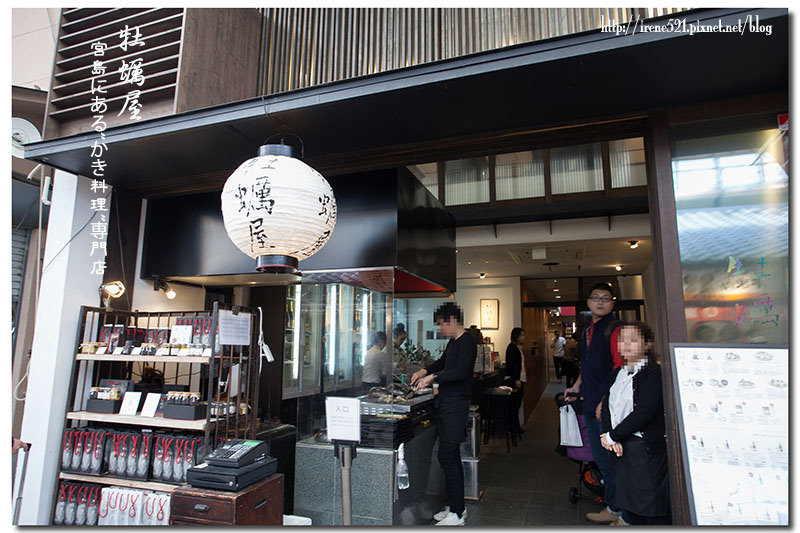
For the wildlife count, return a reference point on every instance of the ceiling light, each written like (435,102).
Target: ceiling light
(634,244)
(482,275)
(558,296)
(456,250)
(618,267)
(160,285)
(469,262)
(555,290)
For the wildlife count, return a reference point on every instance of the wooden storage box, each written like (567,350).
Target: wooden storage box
(260,504)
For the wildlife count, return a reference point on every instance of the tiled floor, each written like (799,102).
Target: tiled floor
(530,485)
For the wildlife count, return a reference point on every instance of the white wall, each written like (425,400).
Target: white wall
(33,45)
(146,299)
(469,292)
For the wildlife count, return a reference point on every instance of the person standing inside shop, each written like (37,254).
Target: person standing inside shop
(557,344)
(453,373)
(378,363)
(515,369)
(634,430)
(599,356)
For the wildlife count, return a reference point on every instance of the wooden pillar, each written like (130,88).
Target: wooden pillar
(669,287)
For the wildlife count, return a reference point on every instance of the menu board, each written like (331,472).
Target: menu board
(734,404)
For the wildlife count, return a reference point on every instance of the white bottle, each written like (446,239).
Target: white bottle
(403,482)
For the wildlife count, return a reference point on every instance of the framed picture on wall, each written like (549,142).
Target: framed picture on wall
(490,313)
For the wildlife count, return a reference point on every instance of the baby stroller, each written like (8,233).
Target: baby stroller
(588,473)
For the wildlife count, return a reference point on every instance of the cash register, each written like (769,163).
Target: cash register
(234,465)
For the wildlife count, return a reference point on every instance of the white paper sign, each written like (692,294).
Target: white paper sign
(343,417)
(136,351)
(181,335)
(130,403)
(118,351)
(234,329)
(734,405)
(101,350)
(151,404)
(233,390)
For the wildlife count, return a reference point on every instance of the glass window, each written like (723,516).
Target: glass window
(628,167)
(466,181)
(576,169)
(428,176)
(519,175)
(733,227)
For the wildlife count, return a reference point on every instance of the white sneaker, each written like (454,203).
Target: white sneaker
(444,512)
(452,519)
(441,514)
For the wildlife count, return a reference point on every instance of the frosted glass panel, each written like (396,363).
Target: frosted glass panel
(627,163)
(426,174)
(466,181)
(576,169)
(519,175)
(731,194)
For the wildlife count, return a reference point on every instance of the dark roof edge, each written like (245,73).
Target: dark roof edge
(584,43)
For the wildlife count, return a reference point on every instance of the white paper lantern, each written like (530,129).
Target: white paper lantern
(277,209)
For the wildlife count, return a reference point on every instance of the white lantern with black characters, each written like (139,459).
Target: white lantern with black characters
(277,209)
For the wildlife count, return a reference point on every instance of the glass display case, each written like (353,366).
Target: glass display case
(335,331)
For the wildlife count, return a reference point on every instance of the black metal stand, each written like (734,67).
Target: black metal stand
(346,452)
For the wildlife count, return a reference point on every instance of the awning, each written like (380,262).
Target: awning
(411,115)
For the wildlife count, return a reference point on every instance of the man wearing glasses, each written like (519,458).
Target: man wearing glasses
(599,356)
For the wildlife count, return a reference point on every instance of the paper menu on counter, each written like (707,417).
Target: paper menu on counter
(734,414)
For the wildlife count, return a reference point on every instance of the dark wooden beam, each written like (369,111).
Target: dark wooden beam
(669,287)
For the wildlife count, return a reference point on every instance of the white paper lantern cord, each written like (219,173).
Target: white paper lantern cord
(277,209)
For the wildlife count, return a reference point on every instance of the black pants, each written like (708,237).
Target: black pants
(557,364)
(451,420)
(518,396)
(639,520)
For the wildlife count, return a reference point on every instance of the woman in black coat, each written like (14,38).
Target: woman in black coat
(515,370)
(634,430)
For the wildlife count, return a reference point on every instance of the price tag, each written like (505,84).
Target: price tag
(136,351)
(101,350)
(118,351)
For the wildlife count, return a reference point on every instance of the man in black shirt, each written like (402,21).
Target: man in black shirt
(453,373)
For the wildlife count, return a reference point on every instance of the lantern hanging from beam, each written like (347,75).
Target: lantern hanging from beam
(277,209)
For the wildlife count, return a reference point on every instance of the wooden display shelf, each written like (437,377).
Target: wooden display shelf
(136,420)
(145,358)
(118,482)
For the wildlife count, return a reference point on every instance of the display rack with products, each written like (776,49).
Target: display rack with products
(151,393)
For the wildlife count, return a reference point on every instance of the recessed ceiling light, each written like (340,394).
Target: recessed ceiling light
(558,296)
(555,290)
(482,275)
(618,267)
(469,262)
(456,250)
(634,244)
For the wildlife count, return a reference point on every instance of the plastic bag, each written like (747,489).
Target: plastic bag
(66,450)
(133,456)
(77,448)
(80,512)
(58,516)
(104,507)
(570,431)
(144,457)
(92,506)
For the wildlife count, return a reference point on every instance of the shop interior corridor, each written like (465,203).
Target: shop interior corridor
(530,485)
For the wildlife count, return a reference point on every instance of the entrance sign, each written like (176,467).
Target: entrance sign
(234,329)
(343,416)
(734,423)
